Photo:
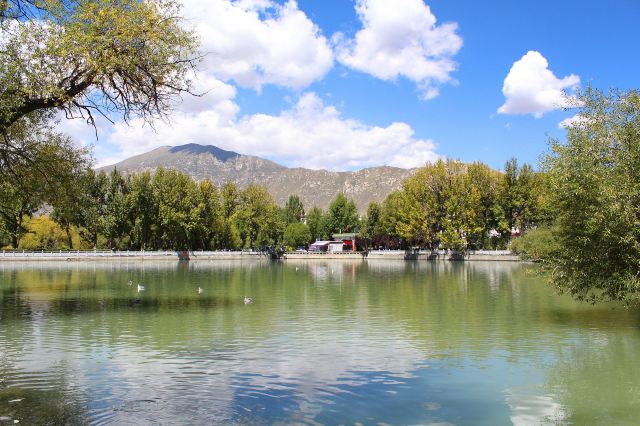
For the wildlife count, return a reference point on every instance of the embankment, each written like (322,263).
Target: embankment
(105,255)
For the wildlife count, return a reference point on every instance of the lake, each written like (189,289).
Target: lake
(323,342)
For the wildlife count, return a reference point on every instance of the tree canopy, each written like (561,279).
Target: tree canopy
(595,191)
(49,174)
(127,57)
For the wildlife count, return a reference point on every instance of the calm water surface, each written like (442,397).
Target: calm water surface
(340,342)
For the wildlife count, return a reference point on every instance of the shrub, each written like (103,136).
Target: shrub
(536,245)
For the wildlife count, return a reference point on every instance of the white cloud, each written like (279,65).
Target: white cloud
(209,92)
(576,120)
(531,87)
(310,134)
(401,39)
(257,42)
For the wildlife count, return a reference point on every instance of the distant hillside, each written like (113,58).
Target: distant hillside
(315,187)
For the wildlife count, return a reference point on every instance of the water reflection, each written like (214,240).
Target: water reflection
(337,341)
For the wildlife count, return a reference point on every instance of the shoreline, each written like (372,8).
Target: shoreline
(108,256)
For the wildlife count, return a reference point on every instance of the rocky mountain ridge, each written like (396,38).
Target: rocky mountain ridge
(315,187)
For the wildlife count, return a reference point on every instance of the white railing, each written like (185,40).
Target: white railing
(441,252)
(220,253)
(123,253)
(388,252)
(229,253)
(325,252)
(86,253)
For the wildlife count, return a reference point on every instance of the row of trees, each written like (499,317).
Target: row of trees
(166,210)
(447,204)
(79,59)
(450,204)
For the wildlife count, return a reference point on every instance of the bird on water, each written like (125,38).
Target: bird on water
(248,300)
(200,290)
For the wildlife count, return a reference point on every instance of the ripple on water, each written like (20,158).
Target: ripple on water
(341,342)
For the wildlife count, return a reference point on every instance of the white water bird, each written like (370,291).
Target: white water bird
(130,283)
(140,288)
(248,300)
(297,268)
(200,290)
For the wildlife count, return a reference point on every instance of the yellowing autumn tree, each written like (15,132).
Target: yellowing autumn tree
(124,57)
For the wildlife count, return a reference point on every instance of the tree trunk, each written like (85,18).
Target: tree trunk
(69,239)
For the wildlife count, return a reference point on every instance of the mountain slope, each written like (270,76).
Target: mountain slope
(315,187)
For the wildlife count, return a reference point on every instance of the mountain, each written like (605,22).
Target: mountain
(315,187)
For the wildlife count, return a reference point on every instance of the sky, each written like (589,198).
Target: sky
(344,85)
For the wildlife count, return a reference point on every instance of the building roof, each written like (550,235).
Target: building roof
(346,236)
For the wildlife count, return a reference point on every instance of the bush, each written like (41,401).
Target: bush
(536,245)
(43,234)
(297,235)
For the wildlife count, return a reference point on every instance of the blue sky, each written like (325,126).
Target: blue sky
(305,84)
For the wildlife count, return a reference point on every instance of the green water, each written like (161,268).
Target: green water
(337,342)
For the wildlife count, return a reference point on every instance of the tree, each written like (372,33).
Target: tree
(47,175)
(43,234)
(371,223)
(115,220)
(314,221)
(93,206)
(212,221)
(294,209)
(487,183)
(179,209)
(16,204)
(371,227)
(422,209)
(519,197)
(297,235)
(142,210)
(595,187)
(230,236)
(125,57)
(391,220)
(257,216)
(342,215)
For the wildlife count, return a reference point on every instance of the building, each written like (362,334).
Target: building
(348,241)
(320,246)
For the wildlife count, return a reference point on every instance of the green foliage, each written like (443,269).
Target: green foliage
(93,205)
(297,235)
(314,221)
(115,220)
(439,206)
(459,206)
(42,166)
(342,215)
(537,245)
(393,210)
(372,222)
(142,214)
(179,207)
(230,236)
(294,209)
(211,218)
(257,217)
(522,189)
(486,184)
(446,205)
(595,190)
